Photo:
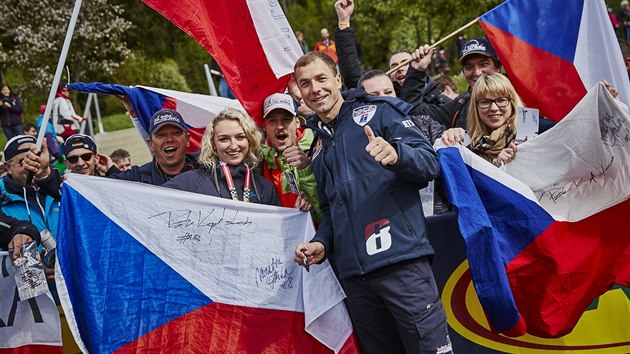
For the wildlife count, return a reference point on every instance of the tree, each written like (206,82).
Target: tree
(32,34)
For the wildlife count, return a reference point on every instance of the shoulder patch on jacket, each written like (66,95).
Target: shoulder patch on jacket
(362,115)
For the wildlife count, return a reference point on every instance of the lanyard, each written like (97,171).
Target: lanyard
(230,182)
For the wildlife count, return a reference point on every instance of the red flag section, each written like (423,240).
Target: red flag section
(226,30)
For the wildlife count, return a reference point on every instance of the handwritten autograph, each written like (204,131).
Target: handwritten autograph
(275,273)
(612,129)
(555,193)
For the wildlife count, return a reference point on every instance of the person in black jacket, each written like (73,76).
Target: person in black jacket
(369,162)
(11,112)
(231,147)
(14,233)
(406,80)
(168,141)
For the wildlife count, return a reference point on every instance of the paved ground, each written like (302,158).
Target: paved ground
(128,139)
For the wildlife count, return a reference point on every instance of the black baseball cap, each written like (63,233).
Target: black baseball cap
(166,117)
(12,147)
(477,46)
(78,141)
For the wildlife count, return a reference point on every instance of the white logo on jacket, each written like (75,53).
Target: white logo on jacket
(362,115)
(377,237)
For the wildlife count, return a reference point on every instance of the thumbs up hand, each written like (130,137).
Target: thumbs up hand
(379,149)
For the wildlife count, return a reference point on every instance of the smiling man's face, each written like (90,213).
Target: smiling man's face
(281,128)
(169,144)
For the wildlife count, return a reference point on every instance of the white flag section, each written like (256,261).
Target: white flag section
(276,36)
(29,326)
(198,109)
(235,253)
(586,159)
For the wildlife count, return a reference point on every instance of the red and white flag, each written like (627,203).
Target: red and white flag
(250,39)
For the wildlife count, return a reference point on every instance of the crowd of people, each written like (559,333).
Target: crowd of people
(351,146)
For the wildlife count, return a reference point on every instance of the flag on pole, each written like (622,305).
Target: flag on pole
(197,109)
(251,40)
(148,269)
(30,326)
(556,50)
(549,234)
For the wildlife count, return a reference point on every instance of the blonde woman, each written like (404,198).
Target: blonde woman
(230,149)
(492,121)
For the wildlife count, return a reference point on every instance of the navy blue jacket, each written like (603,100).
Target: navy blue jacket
(150,172)
(203,182)
(372,213)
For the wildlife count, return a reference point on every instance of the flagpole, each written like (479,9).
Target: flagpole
(60,64)
(434,45)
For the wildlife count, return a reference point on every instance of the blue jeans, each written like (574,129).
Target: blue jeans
(13,130)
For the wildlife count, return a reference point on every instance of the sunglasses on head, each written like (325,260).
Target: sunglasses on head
(85,157)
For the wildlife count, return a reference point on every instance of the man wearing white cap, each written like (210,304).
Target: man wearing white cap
(285,162)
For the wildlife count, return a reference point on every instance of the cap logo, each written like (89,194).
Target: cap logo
(166,117)
(474,46)
(22,140)
(275,101)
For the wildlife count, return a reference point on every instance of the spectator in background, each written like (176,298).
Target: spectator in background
(447,86)
(327,45)
(300,38)
(121,159)
(52,140)
(624,18)
(224,88)
(30,129)
(441,63)
(11,113)
(614,21)
(65,120)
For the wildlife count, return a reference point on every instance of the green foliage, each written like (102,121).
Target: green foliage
(140,70)
(117,122)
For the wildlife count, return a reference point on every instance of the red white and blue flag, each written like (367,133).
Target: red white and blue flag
(554,51)
(251,40)
(549,234)
(197,110)
(147,269)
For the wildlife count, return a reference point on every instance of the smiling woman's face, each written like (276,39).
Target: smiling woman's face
(230,141)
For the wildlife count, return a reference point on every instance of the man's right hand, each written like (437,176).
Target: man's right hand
(344,9)
(422,57)
(17,242)
(313,251)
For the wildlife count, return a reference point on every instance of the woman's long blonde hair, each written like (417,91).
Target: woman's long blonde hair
(209,156)
(497,85)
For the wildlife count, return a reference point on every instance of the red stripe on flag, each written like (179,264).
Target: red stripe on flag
(563,270)
(226,30)
(33,349)
(221,328)
(542,80)
(196,134)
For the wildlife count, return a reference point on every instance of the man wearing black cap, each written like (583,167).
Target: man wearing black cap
(38,202)
(167,141)
(81,156)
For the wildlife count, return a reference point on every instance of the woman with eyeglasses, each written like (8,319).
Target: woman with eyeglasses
(492,122)
(65,120)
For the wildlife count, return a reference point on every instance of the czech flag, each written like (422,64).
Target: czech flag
(251,40)
(554,51)
(197,110)
(549,234)
(147,269)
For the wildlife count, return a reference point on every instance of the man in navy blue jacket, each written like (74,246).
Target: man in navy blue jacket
(370,161)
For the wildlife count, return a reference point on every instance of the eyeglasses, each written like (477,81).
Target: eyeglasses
(485,103)
(85,157)
(19,162)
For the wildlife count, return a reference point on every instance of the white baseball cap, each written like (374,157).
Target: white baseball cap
(278,101)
